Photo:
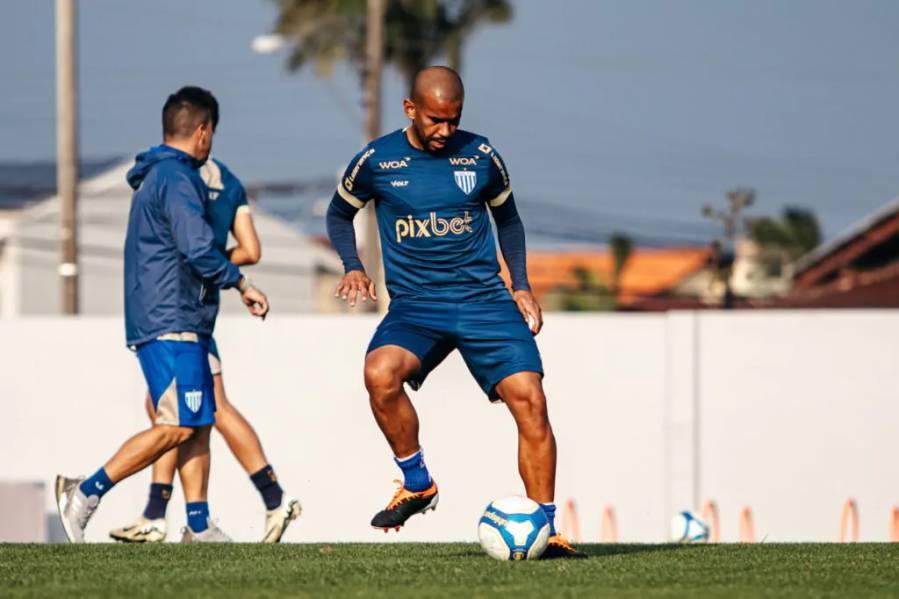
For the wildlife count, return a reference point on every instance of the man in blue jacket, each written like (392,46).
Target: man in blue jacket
(173,273)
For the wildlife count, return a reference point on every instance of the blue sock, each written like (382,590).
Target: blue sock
(415,473)
(198,515)
(550,510)
(159,499)
(98,484)
(266,483)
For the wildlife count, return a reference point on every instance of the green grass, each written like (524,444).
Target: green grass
(425,571)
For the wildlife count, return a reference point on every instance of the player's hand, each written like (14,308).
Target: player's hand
(255,301)
(530,309)
(355,283)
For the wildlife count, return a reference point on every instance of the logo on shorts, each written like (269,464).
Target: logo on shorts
(466,180)
(432,227)
(193,399)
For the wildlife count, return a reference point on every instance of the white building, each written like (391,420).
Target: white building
(293,272)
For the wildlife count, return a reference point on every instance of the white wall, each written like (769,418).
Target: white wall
(787,412)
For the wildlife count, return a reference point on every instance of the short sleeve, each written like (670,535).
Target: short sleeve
(240,194)
(355,186)
(498,188)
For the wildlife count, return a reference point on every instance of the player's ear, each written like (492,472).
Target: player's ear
(409,108)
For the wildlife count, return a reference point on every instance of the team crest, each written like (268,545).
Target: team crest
(193,399)
(466,180)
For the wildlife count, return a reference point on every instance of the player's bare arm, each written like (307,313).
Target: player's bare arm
(248,250)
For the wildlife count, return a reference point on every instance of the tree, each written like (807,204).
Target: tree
(621,246)
(324,32)
(796,232)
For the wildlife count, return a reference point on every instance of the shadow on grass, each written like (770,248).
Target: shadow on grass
(605,549)
(594,549)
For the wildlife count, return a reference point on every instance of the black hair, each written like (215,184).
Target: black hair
(187,109)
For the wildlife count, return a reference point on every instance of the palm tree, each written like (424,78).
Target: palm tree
(621,246)
(324,32)
(795,233)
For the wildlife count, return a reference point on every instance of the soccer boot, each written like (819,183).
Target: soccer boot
(142,530)
(75,508)
(558,547)
(278,519)
(213,534)
(404,505)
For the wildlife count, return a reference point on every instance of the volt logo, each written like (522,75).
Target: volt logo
(399,183)
(433,226)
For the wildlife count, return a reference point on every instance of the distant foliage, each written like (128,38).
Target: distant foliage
(324,32)
(795,233)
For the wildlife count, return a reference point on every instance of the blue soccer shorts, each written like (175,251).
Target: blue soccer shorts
(493,338)
(180,381)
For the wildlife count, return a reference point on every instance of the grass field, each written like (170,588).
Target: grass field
(447,570)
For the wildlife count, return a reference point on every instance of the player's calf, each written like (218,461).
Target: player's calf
(78,498)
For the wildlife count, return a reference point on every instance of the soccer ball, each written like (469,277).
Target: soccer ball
(514,528)
(687,528)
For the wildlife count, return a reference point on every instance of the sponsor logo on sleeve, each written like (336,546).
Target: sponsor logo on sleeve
(351,178)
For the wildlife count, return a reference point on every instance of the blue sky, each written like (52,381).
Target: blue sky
(611,115)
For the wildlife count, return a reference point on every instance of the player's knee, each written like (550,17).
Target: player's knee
(172,436)
(382,379)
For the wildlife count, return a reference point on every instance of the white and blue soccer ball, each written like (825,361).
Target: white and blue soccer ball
(514,528)
(687,528)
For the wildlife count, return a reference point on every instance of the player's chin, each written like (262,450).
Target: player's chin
(436,144)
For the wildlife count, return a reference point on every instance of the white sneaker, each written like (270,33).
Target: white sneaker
(278,519)
(142,530)
(213,534)
(75,508)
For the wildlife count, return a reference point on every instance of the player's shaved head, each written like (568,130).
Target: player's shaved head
(434,106)
(441,84)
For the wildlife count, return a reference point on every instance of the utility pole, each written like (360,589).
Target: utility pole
(374,63)
(738,199)
(67,150)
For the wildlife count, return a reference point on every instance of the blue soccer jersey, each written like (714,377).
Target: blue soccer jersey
(436,236)
(225,197)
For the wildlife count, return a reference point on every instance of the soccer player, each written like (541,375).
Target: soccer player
(173,273)
(226,210)
(432,184)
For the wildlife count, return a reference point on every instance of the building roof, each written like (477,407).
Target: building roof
(287,271)
(886,215)
(24,183)
(648,272)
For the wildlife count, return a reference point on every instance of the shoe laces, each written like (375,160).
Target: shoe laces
(401,495)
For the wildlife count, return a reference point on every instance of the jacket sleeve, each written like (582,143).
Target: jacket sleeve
(193,235)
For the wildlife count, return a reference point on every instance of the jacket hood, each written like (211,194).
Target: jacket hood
(145,161)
